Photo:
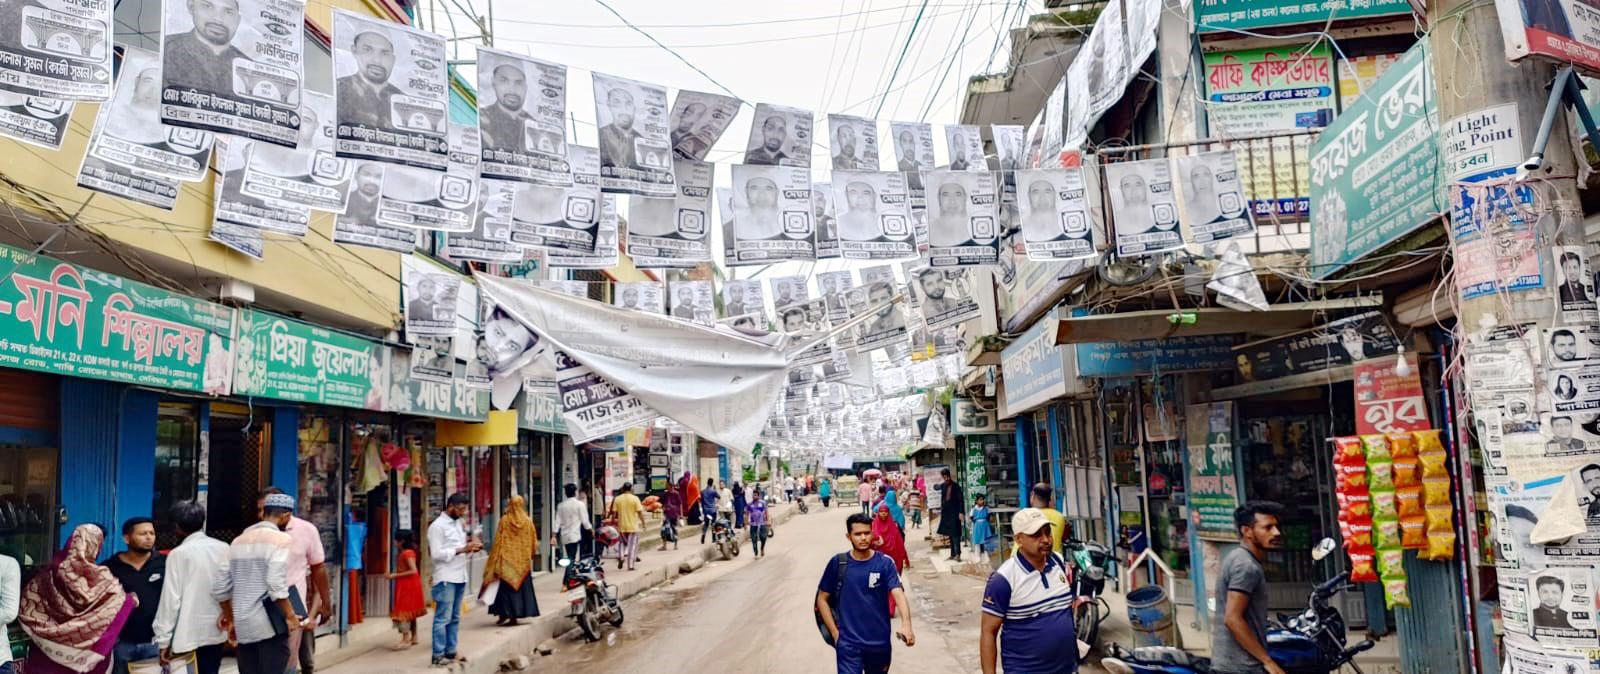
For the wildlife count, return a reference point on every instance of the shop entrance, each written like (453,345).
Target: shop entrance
(238,468)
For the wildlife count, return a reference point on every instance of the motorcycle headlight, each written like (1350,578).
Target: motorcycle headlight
(1095,573)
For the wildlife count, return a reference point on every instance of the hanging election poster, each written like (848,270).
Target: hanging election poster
(522,107)
(698,120)
(561,218)
(887,326)
(594,407)
(606,250)
(743,297)
(853,143)
(430,297)
(674,233)
(425,199)
(232,212)
(358,225)
(691,301)
(635,152)
(771,214)
(787,290)
(1054,209)
(946,296)
(965,145)
(133,135)
(489,239)
(306,174)
(806,322)
(57,49)
(779,136)
(913,154)
(391,91)
(117,180)
(432,359)
(646,296)
(835,287)
(874,217)
(515,357)
(1146,219)
(233,207)
(234,70)
(824,219)
(962,226)
(34,120)
(1213,199)
(1010,146)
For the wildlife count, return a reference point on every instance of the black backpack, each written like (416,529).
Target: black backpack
(842,560)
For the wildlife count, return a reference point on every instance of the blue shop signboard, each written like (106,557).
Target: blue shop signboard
(1153,356)
(1036,370)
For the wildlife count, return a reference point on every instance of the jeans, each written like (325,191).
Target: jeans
(853,659)
(738,518)
(758,538)
(705,525)
(265,657)
(447,617)
(571,550)
(125,652)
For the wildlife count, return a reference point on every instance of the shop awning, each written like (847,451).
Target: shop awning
(1281,384)
(1157,323)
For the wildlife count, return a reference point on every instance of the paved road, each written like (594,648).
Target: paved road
(747,615)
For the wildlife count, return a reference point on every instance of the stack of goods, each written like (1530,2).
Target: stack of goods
(1394,495)
(1441,543)
(1386,529)
(1355,507)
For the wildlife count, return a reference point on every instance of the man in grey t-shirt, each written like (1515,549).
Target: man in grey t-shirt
(1239,625)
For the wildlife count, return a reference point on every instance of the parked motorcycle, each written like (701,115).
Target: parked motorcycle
(1310,643)
(590,598)
(725,537)
(1091,563)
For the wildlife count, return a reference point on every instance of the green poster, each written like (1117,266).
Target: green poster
(1218,15)
(1374,170)
(443,400)
(286,359)
(1213,485)
(64,319)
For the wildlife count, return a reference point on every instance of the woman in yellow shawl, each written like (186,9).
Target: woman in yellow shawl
(511,563)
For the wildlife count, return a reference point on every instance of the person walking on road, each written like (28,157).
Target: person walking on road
(865,492)
(258,575)
(308,576)
(408,604)
(788,488)
(671,512)
(628,511)
(1030,599)
(689,487)
(511,563)
(449,545)
(887,538)
(74,609)
(825,490)
(758,524)
(951,511)
(740,503)
(141,571)
(186,615)
(853,599)
(1041,497)
(708,507)
(572,519)
(1239,626)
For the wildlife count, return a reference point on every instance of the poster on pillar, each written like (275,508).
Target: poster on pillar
(1213,484)
(1565,612)
(1495,242)
(1562,31)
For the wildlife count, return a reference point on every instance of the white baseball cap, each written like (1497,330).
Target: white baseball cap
(1029,521)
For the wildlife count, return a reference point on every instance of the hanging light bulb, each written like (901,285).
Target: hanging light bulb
(1403,367)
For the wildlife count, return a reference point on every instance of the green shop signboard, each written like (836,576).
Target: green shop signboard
(286,359)
(444,400)
(1374,170)
(1213,485)
(977,482)
(64,319)
(1218,15)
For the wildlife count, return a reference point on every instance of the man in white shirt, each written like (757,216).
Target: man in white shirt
(572,517)
(186,619)
(309,578)
(449,545)
(788,487)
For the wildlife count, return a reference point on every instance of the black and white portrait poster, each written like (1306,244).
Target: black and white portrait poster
(56,48)
(771,214)
(964,142)
(307,174)
(787,290)
(725,216)
(635,148)
(779,136)
(427,199)
(573,288)
(1214,207)
(881,273)
(835,288)
(853,143)
(489,239)
(946,296)
(1573,382)
(1143,212)
(433,358)
(743,297)
(522,110)
(873,211)
(118,180)
(391,91)
(692,301)
(913,154)
(1010,146)
(640,296)
(674,233)
(234,67)
(233,207)
(562,219)
(430,298)
(699,120)
(1054,209)
(1575,299)
(606,250)
(963,225)
(34,120)
(1563,607)
(133,135)
(805,323)
(358,225)
(887,327)
(824,218)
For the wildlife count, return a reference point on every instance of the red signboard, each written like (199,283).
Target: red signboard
(1387,401)
(1566,31)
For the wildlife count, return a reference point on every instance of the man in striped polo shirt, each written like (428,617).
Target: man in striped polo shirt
(257,572)
(1029,599)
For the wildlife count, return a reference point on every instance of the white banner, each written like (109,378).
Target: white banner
(771,215)
(392,91)
(698,120)
(235,72)
(57,49)
(853,143)
(1054,211)
(965,145)
(779,136)
(873,215)
(1145,217)
(635,149)
(522,109)
(963,225)
(426,199)
(646,296)
(718,384)
(674,233)
(308,173)
(594,407)
(1214,207)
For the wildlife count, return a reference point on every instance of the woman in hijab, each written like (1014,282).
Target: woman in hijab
(886,538)
(690,488)
(671,510)
(74,609)
(511,562)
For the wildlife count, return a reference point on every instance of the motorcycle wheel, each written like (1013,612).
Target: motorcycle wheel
(587,623)
(1087,619)
(735,544)
(722,548)
(616,616)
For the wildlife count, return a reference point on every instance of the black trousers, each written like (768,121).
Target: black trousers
(265,657)
(208,659)
(308,652)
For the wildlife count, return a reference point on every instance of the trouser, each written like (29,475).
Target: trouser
(758,538)
(738,518)
(825,501)
(446,617)
(916,519)
(955,545)
(264,657)
(705,525)
(308,652)
(125,652)
(788,494)
(207,659)
(571,550)
(861,660)
(630,548)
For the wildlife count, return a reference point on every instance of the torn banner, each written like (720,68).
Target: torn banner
(720,385)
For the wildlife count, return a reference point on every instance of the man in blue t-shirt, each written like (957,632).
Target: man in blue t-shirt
(860,622)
